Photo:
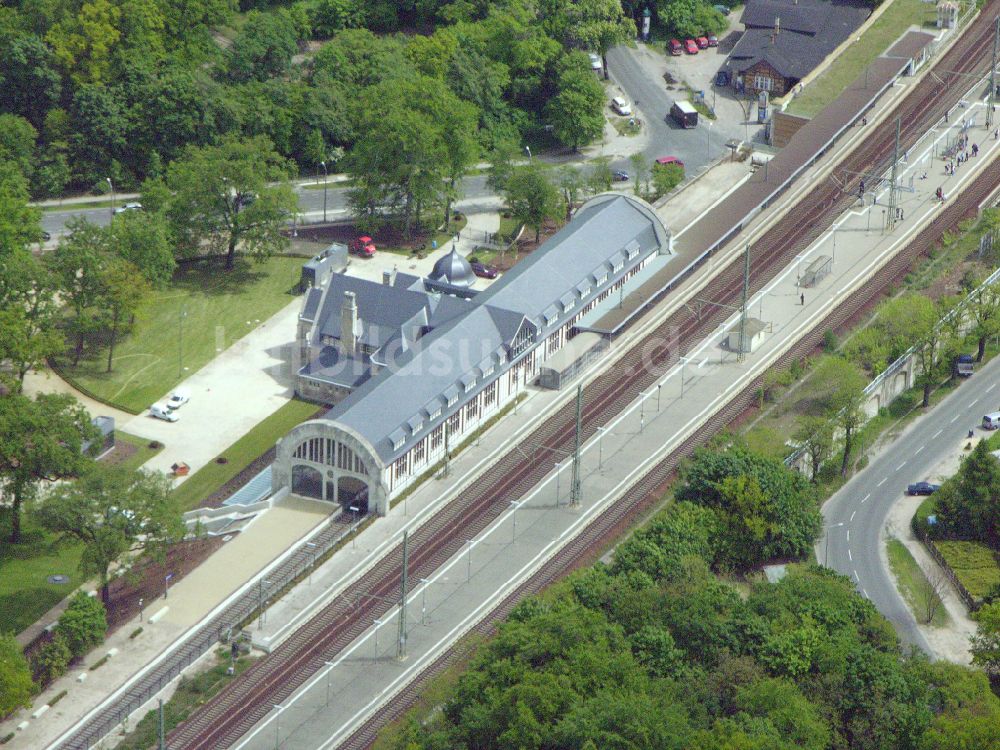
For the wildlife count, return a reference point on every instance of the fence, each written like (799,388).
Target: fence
(970,601)
(249,603)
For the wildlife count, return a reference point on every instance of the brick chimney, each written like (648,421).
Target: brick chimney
(350,327)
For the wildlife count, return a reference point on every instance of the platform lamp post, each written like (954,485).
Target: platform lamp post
(325,180)
(600,447)
(312,567)
(354,509)
(111,187)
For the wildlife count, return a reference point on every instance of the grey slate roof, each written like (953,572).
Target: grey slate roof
(809,31)
(309,309)
(595,234)
(479,331)
(332,366)
(382,310)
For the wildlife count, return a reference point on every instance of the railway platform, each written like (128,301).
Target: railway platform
(681,401)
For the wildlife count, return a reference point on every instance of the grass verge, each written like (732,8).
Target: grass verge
(240,454)
(973,563)
(190,694)
(202,311)
(916,589)
(849,65)
(25,593)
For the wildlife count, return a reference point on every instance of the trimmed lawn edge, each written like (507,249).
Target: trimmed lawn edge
(913,585)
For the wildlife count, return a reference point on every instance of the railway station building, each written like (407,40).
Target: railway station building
(413,366)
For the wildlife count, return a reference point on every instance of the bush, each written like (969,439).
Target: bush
(58,697)
(830,342)
(16,686)
(52,659)
(83,624)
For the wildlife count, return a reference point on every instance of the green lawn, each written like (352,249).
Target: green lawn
(238,456)
(973,563)
(25,594)
(218,307)
(878,38)
(913,585)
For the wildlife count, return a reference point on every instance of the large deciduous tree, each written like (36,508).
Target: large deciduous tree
(914,320)
(576,113)
(115,513)
(228,197)
(840,387)
(532,198)
(599,25)
(41,440)
(123,291)
(19,222)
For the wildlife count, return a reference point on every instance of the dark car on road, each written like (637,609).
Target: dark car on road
(922,488)
(619,176)
(484,271)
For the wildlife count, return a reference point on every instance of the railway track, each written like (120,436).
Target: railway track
(249,698)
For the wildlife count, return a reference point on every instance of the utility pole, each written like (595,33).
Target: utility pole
(740,353)
(993,73)
(574,488)
(890,217)
(401,642)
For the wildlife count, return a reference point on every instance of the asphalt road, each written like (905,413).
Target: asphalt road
(696,147)
(855,516)
(475,195)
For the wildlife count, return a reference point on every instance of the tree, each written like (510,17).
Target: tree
(503,160)
(460,146)
(691,18)
(914,320)
(25,343)
(840,386)
(666,177)
(17,143)
(985,644)
(31,82)
(52,659)
(115,513)
(142,239)
(29,314)
(869,349)
(264,47)
(82,42)
(576,113)
(984,313)
(969,505)
(600,177)
(930,590)
(19,222)
(815,436)
(228,196)
(640,173)
(77,263)
(572,183)
(532,198)
(41,440)
(123,291)
(16,687)
(83,624)
(600,25)
(330,16)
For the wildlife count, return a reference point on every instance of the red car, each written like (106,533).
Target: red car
(484,271)
(690,47)
(713,40)
(670,160)
(702,42)
(675,47)
(362,246)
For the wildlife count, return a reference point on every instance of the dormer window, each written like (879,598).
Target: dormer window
(451,395)
(398,439)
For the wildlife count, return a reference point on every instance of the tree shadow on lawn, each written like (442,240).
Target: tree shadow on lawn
(19,609)
(209,276)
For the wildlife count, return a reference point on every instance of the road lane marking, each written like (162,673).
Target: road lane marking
(852,516)
(856,576)
(935,434)
(848,535)
(901,466)
(865,498)
(991,387)
(972,404)
(865,593)
(954,418)
(850,557)
(918,450)
(882,482)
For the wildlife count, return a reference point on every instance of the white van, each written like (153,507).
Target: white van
(991,421)
(622,107)
(162,411)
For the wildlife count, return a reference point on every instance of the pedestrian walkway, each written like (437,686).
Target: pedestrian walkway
(446,605)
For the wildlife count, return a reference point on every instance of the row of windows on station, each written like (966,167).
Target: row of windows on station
(330,452)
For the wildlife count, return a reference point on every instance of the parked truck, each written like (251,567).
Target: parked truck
(964,365)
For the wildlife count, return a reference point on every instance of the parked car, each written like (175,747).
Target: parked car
(619,176)
(702,42)
(723,9)
(991,421)
(595,62)
(362,246)
(178,398)
(164,412)
(621,106)
(670,160)
(483,270)
(128,207)
(713,40)
(675,47)
(965,365)
(46,236)
(690,47)
(922,488)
